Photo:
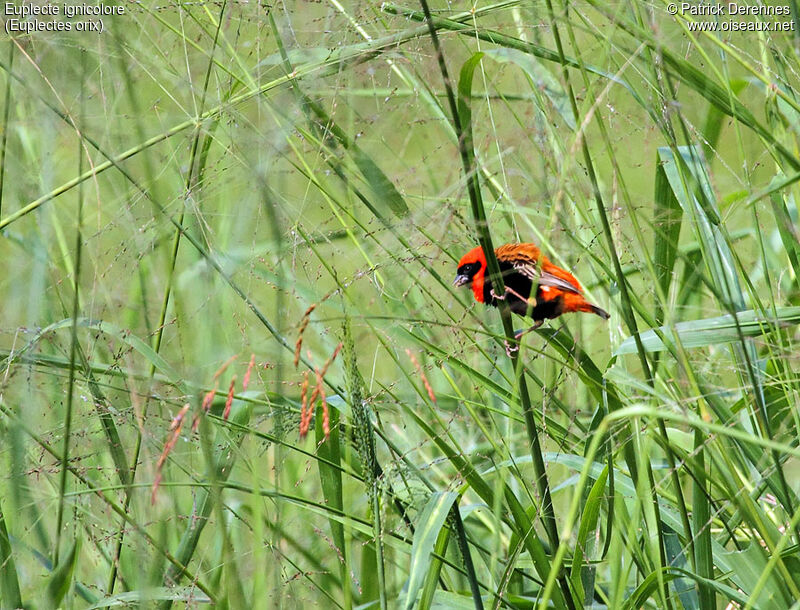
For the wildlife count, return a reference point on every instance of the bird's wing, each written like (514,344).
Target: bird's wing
(548,279)
(535,273)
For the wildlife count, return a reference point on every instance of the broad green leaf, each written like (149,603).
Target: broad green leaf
(638,598)
(748,566)
(448,600)
(667,227)
(714,118)
(701,516)
(676,557)
(432,578)
(519,519)
(61,579)
(426,532)
(715,331)
(465,120)
(690,183)
(579,575)
(787,227)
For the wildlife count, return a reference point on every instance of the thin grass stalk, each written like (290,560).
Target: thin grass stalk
(337,60)
(701,517)
(375,466)
(159,334)
(626,305)
(673,470)
(747,345)
(100,491)
(678,351)
(463,546)
(456,522)
(365,443)
(780,549)
(6,114)
(271,208)
(733,301)
(73,348)
(9,580)
(310,105)
(216,265)
(466,152)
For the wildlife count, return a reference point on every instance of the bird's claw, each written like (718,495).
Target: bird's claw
(511,349)
(497,296)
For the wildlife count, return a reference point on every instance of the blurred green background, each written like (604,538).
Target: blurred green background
(207,185)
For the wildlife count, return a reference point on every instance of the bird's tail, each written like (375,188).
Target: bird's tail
(576,302)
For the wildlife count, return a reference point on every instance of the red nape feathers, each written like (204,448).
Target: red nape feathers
(535,287)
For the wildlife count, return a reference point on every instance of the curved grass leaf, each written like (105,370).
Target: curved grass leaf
(583,578)
(638,598)
(748,568)
(430,587)
(61,578)
(786,226)
(425,534)
(714,331)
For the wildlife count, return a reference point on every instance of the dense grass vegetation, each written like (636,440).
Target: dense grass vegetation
(213,212)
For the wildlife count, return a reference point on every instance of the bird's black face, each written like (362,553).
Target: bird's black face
(466,272)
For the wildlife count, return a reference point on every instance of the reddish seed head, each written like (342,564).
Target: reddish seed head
(229,399)
(250,366)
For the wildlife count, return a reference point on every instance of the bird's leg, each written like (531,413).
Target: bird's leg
(510,349)
(536,324)
(508,290)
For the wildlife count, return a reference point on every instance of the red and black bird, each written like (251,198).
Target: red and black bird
(535,287)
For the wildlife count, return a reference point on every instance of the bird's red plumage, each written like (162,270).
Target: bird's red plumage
(476,256)
(527,263)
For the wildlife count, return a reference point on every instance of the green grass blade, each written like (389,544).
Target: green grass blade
(61,579)
(582,574)
(701,524)
(223,455)
(715,331)
(667,217)
(9,582)
(426,532)
(330,475)
(787,229)
(429,589)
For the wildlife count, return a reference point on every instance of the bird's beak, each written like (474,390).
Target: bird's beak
(461,280)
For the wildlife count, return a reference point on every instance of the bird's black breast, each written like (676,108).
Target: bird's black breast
(520,287)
